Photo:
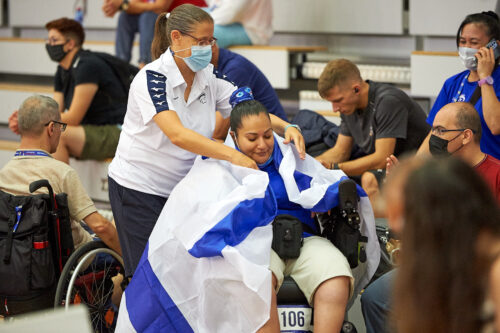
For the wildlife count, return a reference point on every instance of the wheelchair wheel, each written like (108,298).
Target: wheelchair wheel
(92,277)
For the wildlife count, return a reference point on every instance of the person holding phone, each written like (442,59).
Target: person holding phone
(477,41)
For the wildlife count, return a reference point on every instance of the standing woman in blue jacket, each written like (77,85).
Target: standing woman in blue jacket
(170,120)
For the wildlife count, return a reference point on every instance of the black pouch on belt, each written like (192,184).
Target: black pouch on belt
(287,236)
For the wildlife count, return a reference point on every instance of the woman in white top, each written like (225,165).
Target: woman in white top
(170,119)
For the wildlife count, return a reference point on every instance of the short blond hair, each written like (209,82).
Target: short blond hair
(337,73)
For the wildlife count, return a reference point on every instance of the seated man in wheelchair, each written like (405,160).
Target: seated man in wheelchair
(209,253)
(40,128)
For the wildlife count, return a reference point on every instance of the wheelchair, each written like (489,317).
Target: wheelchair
(90,275)
(294,312)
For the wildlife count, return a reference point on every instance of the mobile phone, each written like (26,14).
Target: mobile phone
(492,44)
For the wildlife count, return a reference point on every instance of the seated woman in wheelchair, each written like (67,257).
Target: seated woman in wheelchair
(321,271)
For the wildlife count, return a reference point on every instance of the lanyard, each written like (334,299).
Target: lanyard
(457,97)
(31,153)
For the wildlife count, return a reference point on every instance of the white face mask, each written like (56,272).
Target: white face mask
(467,56)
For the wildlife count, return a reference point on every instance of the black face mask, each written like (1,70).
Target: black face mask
(439,147)
(56,52)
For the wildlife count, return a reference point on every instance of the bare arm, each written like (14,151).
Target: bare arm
(221,127)
(423,150)
(291,134)
(338,153)
(104,229)
(82,98)
(170,124)
(110,7)
(383,147)
(59,98)
(491,105)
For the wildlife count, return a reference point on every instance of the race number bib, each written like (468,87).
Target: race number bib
(295,318)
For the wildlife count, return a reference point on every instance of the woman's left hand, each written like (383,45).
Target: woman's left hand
(485,62)
(293,134)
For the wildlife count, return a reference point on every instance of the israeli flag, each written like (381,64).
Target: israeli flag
(205,268)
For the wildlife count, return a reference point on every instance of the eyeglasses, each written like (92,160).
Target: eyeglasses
(63,125)
(202,42)
(54,41)
(440,130)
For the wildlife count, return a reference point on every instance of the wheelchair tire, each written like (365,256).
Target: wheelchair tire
(86,279)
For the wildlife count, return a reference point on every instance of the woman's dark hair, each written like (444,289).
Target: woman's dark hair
(442,281)
(489,20)
(245,109)
(182,18)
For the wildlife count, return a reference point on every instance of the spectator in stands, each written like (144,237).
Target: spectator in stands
(449,277)
(41,127)
(87,87)
(170,120)
(453,118)
(480,83)
(379,118)
(321,270)
(242,22)
(139,17)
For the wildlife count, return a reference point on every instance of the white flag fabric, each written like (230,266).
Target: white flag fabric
(205,268)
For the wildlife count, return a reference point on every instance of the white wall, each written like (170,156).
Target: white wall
(339,16)
(443,17)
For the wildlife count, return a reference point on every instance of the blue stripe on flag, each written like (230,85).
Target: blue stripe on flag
(149,306)
(236,226)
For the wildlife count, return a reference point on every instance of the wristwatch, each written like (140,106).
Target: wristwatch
(488,80)
(124,6)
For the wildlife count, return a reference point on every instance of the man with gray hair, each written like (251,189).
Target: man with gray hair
(40,127)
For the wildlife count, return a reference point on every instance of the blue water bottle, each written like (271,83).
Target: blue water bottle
(79,15)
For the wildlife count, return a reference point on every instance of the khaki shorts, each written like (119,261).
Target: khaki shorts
(319,260)
(100,142)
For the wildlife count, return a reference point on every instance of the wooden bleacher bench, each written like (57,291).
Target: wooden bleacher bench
(13,94)
(278,63)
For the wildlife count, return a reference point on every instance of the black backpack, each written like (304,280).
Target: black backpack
(124,71)
(35,243)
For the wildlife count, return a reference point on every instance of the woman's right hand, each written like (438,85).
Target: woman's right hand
(243,160)
(13,122)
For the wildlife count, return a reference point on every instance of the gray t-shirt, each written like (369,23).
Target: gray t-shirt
(390,113)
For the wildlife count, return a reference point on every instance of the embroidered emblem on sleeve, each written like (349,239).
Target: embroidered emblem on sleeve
(157,90)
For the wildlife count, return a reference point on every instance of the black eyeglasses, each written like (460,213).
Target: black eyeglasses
(202,42)
(54,41)
(441,130)
(63,125)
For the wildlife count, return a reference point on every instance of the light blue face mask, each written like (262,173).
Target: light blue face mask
(199,59)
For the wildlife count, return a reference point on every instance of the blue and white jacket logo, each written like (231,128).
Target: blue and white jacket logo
(156,87)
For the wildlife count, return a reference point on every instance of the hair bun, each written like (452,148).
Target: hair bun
(240,95)
(491,14)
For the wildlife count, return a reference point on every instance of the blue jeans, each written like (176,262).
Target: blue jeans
(376,303)
(128,25)
(231,34)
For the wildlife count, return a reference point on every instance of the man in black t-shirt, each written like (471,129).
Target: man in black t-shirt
(379,118)
(90,92)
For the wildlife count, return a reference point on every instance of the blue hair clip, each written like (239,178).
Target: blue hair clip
(240,95)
